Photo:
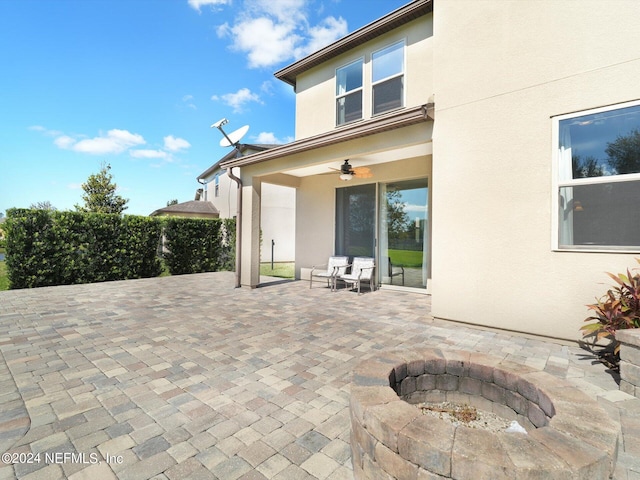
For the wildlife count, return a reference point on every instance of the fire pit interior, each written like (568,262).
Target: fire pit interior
(568,435)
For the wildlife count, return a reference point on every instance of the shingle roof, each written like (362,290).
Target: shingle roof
(204,208)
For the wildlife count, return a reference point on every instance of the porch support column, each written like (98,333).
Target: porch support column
(250,267)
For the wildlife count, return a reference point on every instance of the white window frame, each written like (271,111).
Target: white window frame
(391,77)
(557,183)
(349,92)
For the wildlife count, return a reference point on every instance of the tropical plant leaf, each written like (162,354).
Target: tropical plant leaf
(617,309)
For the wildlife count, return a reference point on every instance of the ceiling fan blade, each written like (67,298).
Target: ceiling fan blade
(362,172)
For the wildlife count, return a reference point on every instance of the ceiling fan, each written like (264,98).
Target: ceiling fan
(347,172)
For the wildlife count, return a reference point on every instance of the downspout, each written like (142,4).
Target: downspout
(204,190)
(238,223)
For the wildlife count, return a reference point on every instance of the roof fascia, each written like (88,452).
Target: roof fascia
(399,119)
(393,20)
(229,156)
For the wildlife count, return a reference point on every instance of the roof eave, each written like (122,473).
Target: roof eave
(374,29)
(229,156)
(391,121)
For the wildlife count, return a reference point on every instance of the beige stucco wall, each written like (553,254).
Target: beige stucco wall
(502,69)
(277,214)
(227,200)
(278,222)
(316,88)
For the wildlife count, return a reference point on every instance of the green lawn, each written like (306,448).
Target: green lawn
(4,279)
(283,270)
(406,258)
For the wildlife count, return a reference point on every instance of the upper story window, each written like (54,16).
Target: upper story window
(216,185)
(387,77)
(349,92)
(598,164)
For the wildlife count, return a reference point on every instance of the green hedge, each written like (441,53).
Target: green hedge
(61,248)
(196,245)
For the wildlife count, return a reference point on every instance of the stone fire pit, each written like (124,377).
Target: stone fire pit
(569,436)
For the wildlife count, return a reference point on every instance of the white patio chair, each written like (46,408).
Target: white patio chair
(362,270)
(329,271)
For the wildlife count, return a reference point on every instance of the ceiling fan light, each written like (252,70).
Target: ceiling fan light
(346,176)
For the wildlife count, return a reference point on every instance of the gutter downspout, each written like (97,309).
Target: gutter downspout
(204,190)
(238,223)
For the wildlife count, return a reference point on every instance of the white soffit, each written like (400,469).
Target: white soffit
(364,160)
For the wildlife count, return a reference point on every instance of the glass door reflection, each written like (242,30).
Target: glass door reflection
(403,237)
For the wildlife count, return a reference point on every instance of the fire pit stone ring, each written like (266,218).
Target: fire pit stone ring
(569,436)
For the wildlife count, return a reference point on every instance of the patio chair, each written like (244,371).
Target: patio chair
(329,271)
(395,271)
(362,270)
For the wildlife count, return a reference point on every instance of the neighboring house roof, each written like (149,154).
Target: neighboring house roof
(232,154)
(192,207)
(382,123)
(374,29)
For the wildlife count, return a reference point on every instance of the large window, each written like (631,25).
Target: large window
(599,179)
(349,93)
(388,78)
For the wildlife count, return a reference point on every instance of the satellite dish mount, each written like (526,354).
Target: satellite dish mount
(232,139)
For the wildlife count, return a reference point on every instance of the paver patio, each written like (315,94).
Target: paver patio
(187,377)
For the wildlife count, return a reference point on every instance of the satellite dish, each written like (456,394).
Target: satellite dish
(234,137)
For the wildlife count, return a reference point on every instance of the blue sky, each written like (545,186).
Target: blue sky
(137,84)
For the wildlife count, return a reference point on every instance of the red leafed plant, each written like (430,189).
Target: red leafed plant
(618,309)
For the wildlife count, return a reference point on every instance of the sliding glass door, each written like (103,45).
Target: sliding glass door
(404,245)
(388,221)
(356,221)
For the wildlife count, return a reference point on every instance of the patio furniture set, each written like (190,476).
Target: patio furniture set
(360,271)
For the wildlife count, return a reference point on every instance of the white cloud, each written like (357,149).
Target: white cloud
(265,42)
(284,10)
(267,87)
(45,131)
(117,141)
(197,4)
(188,101)
(329,30)
(114,142)
(64,141)
(174,144)
(239,99)
(270,138)
(144,153)
(270,32)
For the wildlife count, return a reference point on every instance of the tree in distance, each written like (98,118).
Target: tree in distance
(100,194)
(46,205)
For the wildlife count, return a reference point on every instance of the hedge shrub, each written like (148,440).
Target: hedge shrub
(61,248)
(229,244)
(196,245)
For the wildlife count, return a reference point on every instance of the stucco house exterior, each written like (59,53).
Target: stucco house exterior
(277,208)
(495,145)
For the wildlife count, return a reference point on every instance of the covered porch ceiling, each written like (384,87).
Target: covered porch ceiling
(361,160)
